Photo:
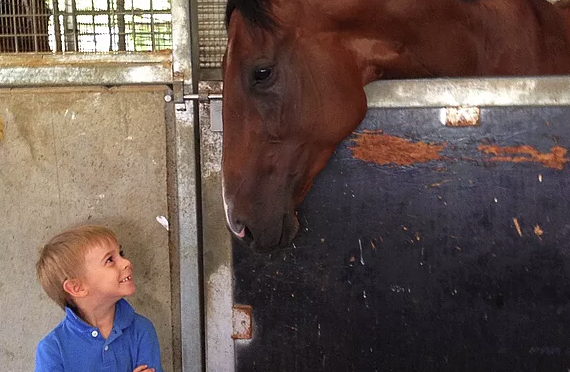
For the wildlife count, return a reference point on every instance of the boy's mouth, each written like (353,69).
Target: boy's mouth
(127,279)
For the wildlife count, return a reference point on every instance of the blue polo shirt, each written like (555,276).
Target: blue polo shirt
(75,346)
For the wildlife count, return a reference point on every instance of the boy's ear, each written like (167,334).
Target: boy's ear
(74,288)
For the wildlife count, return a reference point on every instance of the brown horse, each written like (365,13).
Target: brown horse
(294,73)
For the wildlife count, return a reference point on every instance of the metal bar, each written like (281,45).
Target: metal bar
(153,42)
(36,31)
(15,26)
(190,235)
(195,42)
(74,25)
(504,91)
(57,26)
(93,26)
(110,23)
(134,26)
(190,97)
(121,25)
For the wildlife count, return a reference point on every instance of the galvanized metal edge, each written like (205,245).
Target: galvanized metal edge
(218,258)
(188,186)
(504,91)
(76,69)
(181,42)
(190,255)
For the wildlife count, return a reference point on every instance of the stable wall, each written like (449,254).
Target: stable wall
(72,156)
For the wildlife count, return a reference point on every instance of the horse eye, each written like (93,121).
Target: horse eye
(262,74)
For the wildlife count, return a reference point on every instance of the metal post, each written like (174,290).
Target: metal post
(56,25)
(188,188)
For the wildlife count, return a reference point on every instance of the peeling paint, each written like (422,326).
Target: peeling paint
(517,226)
(460,116)
(526,153)
(538,231)
(376,147)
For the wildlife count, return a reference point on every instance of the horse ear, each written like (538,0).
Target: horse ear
(376,57)
(387,52)
(392,60)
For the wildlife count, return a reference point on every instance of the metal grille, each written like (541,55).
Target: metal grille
(212,32)
(86,26)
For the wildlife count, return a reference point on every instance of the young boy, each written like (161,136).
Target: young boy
(83,270)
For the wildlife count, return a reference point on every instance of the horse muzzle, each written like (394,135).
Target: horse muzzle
(271,234)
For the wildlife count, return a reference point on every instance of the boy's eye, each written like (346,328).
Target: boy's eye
(110,259)
(122,253)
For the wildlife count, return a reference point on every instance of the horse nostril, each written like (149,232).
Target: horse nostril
(239,229)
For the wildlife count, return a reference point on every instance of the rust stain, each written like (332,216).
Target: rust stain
(1,129)
(525,153)
(376,147)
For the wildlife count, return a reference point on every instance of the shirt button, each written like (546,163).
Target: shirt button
(106,347)
(94,333)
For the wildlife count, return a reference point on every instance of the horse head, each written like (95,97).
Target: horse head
(290,96)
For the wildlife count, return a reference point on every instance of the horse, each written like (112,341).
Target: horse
(294,72)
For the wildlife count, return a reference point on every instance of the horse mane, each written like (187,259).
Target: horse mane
(256,12)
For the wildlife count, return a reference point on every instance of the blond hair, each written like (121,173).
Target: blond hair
(63,257)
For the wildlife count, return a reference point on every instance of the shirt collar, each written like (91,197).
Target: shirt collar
(124,316)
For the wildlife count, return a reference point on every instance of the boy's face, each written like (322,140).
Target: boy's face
(108,275)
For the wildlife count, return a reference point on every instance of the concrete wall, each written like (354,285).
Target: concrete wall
(74,156)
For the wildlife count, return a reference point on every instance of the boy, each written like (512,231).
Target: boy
(83,270)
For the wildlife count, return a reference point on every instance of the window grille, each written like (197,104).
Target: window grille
(212,32)
(85,26)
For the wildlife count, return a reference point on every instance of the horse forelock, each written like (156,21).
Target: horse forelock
(256,12)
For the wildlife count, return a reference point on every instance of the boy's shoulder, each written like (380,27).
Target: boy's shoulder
(142,323)
(54,337)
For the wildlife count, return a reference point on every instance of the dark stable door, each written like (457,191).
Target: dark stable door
(456,259)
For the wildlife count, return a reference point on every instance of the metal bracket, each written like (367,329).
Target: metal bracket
(242,322)
(214,100)
(215,103)
(177,96)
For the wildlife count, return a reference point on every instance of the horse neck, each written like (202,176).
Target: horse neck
(415,39)
(405,38)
